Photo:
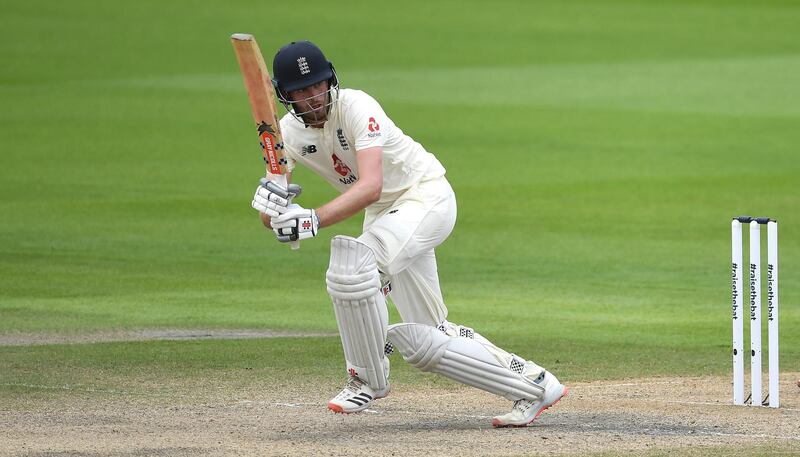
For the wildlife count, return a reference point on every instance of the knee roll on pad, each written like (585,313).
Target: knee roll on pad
(462,359)
(354,286)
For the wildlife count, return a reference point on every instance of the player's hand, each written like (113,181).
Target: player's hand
(297,223)
(273,199)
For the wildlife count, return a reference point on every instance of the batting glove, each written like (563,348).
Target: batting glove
(273,199)
(297,223)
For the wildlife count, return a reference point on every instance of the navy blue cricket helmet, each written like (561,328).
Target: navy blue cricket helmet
(300,64)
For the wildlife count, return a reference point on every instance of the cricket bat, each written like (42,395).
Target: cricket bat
(262,101)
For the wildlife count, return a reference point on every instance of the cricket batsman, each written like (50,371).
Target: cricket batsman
(345,137)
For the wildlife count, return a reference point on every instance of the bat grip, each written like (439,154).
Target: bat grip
(281,180)
(296,243)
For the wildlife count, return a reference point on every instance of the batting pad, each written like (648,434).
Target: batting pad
(360,307)
(462,359)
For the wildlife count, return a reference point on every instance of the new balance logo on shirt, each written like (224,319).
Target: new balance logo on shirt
(310,149)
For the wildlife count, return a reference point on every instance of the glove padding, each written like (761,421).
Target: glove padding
(297,223)
(273,199)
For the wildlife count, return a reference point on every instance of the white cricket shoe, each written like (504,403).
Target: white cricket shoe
(524,412)
(356,396)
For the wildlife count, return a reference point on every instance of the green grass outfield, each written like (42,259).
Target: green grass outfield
(598,150)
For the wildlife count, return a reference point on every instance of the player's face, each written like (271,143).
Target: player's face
(311,103)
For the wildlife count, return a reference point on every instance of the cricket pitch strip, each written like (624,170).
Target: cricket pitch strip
(637,417)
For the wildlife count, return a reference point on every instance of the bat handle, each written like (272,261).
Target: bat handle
(296,243)
(281,180)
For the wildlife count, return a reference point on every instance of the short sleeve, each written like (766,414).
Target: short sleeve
(368,122)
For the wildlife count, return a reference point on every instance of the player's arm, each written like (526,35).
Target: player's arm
(299,223)
(364,192)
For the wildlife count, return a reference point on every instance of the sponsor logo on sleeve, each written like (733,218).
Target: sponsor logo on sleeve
(374,128)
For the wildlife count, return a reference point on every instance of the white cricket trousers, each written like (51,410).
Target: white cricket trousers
(403,236)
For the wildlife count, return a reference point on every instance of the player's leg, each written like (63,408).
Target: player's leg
(464,355)
(403,238)
(524,410)
(354,286)
(416,293)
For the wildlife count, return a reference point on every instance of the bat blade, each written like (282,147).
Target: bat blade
(262,100)
(258,83)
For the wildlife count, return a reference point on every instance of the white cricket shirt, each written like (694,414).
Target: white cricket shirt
(356,122)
